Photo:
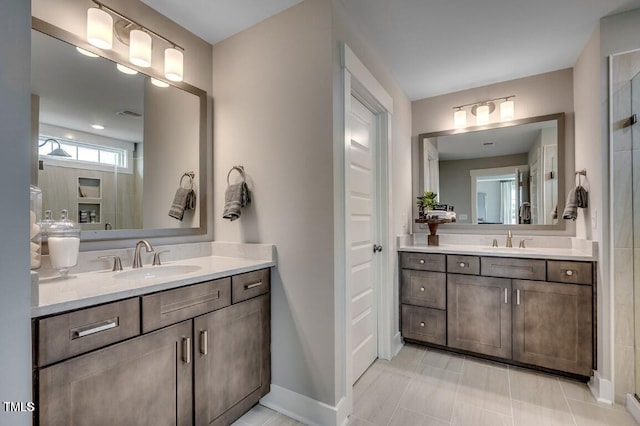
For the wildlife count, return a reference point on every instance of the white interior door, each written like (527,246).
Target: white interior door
(362,237)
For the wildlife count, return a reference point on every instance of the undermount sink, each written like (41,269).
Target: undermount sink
(513,249)
(156,272)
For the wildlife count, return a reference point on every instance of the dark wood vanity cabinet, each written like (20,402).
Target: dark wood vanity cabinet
(190,356)
(530,312)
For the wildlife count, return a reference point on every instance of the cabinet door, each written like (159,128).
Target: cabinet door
(232,360)
(479,314)
(143,381)
(553,326)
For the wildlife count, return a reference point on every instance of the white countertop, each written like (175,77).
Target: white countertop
(530,253)
(79,290)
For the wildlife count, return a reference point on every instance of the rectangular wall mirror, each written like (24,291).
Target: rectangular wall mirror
(508,174)
(117,181)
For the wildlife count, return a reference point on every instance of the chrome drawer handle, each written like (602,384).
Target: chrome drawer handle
(569,272)
(186,350)
(88,330)
(204,341)
(421,288)
(462,264)
(517,296)
(254,285)
(422,261)
(505,295)
(422,324)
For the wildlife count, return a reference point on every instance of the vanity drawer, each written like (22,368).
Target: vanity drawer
(66,335)
(570,272)
(423,261)
(529,269)
(423,288)
(251,284)
(172,306)
(458,264)
(424,324)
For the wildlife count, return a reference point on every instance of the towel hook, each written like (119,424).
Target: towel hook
(579,174)
(190,176)
(239,169)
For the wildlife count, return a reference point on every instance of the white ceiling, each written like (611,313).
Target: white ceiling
(434,47)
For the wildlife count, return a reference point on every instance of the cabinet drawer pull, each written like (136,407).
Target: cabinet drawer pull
(568,272)
(422,324)
(462,264)
(517,297)
(88,330)
(186,350)
(422,261)
(204,341)
(421,288)
(254,285)
(505,295)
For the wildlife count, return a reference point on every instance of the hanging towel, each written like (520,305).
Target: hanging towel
(235,197)
(571,207)
(185,199)
(582,197)
(525,212)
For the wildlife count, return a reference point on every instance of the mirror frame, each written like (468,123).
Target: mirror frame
(558,117)
(126,234)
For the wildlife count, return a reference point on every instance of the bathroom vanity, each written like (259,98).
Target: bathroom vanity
(532,308)
(188,349)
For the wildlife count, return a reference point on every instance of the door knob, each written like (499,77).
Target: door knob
(377,248)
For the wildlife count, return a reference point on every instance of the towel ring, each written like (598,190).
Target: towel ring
(190,176)
(239,169)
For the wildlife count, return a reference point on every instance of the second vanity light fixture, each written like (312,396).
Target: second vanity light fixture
(100,31)
(482,111)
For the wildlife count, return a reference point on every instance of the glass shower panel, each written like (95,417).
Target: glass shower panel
(635,170)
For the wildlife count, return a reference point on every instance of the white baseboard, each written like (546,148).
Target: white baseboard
(396,344)
(304,409)
(634,407)
(602,389)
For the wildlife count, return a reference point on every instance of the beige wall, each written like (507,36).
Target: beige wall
(537,95)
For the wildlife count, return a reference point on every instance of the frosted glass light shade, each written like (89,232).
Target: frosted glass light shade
(140,48)
(99,28)
(126,70)
(482,114)
(173,64)
(159,83)
(507,110)
(460,119)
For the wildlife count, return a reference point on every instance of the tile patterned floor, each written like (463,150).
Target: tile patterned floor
(424,387)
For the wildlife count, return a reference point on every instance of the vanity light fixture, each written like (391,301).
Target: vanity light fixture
(86,52)
(137,36)
(126,70)
(98,126)
(159,83)
(482,110)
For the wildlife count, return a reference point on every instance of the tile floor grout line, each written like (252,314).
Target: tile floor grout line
(513,414)
(411,378)
(566,400)
(455,399)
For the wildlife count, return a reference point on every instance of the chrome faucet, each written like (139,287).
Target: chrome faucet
(137,259)
(509,236)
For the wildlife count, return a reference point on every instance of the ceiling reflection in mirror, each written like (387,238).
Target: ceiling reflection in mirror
(129,142)
(507,174)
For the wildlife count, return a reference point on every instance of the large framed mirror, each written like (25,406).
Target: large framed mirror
(508,174)
(112,148)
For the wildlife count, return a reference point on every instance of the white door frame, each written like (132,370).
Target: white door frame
(360,83)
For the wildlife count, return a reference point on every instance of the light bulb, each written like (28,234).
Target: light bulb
(482,114)
(99,28)
(507,110)
(173,64)
(140,48)
(460,119)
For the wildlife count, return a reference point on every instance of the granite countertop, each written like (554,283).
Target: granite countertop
(83,289)
(530,253)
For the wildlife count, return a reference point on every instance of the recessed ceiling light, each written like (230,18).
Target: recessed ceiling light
(159,83)
(98,126)
(126,70)
(86,52)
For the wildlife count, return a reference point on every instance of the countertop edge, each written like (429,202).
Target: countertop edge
(56,308)
(481,251)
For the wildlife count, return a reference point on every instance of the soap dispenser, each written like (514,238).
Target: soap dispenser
(63,238)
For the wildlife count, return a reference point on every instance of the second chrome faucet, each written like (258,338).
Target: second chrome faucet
(137,258)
